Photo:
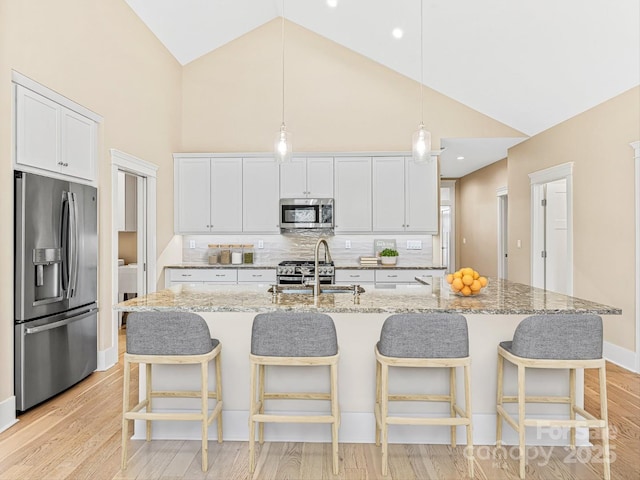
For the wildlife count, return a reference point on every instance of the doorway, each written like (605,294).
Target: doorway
(503,239)
(444,246)
(141,178)
(551,229)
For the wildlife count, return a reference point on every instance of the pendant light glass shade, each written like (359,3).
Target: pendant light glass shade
(421,145)
(283,145)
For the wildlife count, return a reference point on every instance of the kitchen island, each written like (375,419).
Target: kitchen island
(492,317)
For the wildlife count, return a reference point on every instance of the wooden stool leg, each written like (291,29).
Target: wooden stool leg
(572,404)
(604,417)
(452,402)
(521,413)
(384,411)
(252,425)
(219,393)
(377,403)
(149,383)
(261,381)
(335,413)
(204,394)
(125,409)
(467,407)
(499,396)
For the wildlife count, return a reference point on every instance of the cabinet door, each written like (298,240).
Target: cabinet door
(352,194)
(388,194)
(422,197)
(260,195)
(226,195)
(37,127)
(320,177)
(192,180)
(293,183)
(78,144)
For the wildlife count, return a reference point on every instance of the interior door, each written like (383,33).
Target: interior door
(556,236)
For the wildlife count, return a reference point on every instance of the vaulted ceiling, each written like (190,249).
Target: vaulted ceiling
(528,64)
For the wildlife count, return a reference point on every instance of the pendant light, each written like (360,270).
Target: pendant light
(421,138)
(283,146)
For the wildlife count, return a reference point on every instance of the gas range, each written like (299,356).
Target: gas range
(291,272)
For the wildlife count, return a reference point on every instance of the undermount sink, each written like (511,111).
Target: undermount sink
(308,289)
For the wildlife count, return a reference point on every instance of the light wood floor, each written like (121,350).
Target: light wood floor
(76,435)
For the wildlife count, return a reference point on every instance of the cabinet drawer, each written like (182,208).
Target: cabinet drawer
(398,276)
(258,275)
(222,275)
(203,275)
(355,276)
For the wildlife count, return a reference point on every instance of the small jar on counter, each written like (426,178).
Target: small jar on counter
(236,254)
(247,254)
(225,254)
(214,254)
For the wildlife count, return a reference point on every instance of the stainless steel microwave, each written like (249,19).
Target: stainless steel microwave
(306,213)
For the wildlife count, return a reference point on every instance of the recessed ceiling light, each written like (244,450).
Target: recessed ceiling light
(332,3)
(460,158)
(397,32)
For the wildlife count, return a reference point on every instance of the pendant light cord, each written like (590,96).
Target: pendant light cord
(421,66)
(283,62)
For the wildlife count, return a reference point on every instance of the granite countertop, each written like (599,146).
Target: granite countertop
(337,267)
(500,297)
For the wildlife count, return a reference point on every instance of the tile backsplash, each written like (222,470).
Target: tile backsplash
(301,246)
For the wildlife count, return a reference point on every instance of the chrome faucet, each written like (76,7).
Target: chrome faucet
(327,258)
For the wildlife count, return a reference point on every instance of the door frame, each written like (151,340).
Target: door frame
(538,179)
(502,195)
(451,185)
(121,161)
(636,156)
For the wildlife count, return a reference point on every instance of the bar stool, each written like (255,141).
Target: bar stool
(177,338)
(554,341)
(423,340)
(292,338)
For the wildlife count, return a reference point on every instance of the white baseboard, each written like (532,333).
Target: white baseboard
(8,413)
(107,358)
(620,356)
(359,428)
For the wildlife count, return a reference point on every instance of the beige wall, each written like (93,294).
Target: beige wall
(99,54)
(597,141)
(335,99)
(477,214)
(128,246)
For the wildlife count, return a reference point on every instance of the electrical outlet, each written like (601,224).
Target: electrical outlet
(192,244)
(347,244)
(260,243)
(414,244)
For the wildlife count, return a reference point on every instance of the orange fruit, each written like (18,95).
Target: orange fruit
(483,281)
(467,279)
(475,286)
(476,275)
(457,274)
(467,271)
(449,278)
(457,284)
(466,291)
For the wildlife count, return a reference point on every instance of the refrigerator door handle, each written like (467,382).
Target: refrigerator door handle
(64,242)
(61,323)
(73,244)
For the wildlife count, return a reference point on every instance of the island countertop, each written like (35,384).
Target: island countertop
(500,297)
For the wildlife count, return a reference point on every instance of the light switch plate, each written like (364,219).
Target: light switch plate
(192,244)
(414,244)
(260,243)
(347,244)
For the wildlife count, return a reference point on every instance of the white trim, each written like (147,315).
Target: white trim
(620,356)
(107,358)
(451,185)
(128,163)
(538,179)
(55,96)
(503,271)
(8,413)
(636,147)
(434,154)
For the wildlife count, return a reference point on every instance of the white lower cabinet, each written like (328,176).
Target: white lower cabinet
(398,276)
(256,275)
(355,276)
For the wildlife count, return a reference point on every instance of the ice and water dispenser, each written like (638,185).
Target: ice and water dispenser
(47,263)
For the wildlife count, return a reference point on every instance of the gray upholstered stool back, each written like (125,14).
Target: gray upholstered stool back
(168,333)
(558,337)
(293,334)
(424,335)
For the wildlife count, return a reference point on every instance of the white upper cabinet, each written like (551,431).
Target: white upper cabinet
(50,136)
(307,178)
(260,195)
(405,196)
(208,195)
(352,208)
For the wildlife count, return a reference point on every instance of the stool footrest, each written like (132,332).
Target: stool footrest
(297,396)
(420,398)
(564,423)
(272,418)
(449,421)
(532,399)
(182,394)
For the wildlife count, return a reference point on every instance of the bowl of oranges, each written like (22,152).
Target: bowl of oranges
(466,282)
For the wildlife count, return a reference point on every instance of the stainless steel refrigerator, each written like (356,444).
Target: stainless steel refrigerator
(56,265)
